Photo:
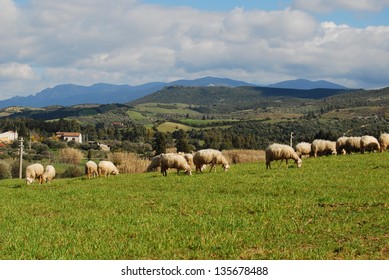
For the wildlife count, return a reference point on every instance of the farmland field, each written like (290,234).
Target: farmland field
(332,208)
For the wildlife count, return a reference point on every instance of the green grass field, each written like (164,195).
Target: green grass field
(332,208)
(171,127)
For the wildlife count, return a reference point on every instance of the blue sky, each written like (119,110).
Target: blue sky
(48,42)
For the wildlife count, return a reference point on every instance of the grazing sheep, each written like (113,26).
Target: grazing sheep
(174,161)
(34,171)
(369,143)
(106,168)
(281,152)
(303,149)
(341,145)
(384,141)
(188,157)
(91,169)
(49,174)
(154,164)
(353,144)
(323,147)
(209,156)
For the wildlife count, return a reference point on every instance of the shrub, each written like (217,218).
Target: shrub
(5,172)
(15,169)
(39,147)
(70,155)
(72,172)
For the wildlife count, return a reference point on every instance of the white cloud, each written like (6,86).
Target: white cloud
(324,6)
(50,42)
(16,71)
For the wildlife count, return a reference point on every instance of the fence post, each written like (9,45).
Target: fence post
(291,139)
(21,158)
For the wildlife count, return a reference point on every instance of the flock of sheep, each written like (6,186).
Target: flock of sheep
(165,161)
(185,162)
(343,145)
(202,158)
(36,171)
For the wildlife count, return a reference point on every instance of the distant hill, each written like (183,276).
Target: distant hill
(238,98)
(306,84)
(70,94)
(210,81)
(174,102)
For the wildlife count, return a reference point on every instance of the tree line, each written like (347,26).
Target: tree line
(130,136)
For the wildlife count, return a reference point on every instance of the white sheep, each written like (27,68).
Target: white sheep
(369,143)
(281,152)
(174,161)
(49,174)
(323,147)
(154,164)
(209,156)
(341,145)
(106,168)
(34,171)
(303,149)
(188,157)
(353,144)
(384,141)
(91,169)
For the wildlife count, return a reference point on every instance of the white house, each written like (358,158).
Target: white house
(70,136)
(8,137)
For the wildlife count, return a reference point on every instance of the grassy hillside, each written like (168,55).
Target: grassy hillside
(220,99)
(332,208)
(170,127)
(241,103)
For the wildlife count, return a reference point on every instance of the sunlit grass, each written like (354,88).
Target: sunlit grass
(331,208)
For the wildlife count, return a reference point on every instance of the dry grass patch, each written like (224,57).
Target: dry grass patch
(244,156)
(71,155)
(129,163)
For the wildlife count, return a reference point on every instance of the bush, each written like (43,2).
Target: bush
(39,147)
(5,172)
(72,172)
(15,169)
(70,155)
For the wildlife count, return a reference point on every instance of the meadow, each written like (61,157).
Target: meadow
(333,207)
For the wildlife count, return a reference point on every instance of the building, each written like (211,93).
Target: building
(70,136)
(8,137)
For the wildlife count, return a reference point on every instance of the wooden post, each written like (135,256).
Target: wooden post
(291,139)
(21,158)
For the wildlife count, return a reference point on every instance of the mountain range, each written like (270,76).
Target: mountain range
(306,84)
(101,93)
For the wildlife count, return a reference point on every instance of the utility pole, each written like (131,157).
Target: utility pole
(291,139)
(21,158)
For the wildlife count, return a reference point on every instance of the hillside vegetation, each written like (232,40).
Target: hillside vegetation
(218,117)
(332,208)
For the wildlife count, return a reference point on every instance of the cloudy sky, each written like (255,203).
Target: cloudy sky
(44,43)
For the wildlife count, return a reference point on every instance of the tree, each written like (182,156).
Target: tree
(182,141)
(159,143)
